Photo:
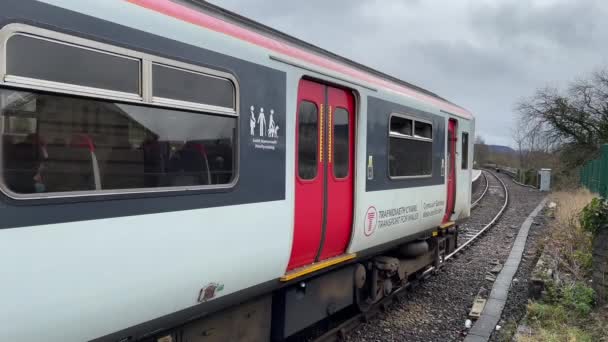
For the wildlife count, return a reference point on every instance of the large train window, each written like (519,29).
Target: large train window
(58,144)
(308,140)
(29,57)
(88,125)
(410,150)
(465,150)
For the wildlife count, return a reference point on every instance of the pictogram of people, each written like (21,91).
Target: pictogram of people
(252,121)
(262,122)
(272,127)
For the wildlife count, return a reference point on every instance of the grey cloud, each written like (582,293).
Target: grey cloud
(483,55)
(463,60)
(571,24)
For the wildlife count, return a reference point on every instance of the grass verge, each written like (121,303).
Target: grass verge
(566,311)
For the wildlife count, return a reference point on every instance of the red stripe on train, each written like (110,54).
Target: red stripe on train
(207,21)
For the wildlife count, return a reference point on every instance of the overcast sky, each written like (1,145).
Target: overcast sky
(484,55)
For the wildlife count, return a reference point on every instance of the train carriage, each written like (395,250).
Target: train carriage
(172,171)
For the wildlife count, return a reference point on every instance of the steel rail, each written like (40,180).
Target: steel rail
(487,226)
(339,332)
(474,204)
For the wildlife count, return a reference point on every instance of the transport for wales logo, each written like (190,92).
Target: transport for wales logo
(370,221)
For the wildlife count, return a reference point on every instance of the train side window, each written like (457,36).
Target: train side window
(423,130)
(341,143)
(308,140)
(465,150)
(44,59)
(197,88)
(57,144)
(410,155)
(401,126)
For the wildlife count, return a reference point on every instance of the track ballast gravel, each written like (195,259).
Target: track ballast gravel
(515,308)
(437,310)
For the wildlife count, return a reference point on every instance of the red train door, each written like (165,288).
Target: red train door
(451,169)
(323,173)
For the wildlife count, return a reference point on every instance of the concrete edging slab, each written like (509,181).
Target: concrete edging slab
(484,326)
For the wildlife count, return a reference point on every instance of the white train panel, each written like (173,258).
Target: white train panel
(385,216)
(138,268)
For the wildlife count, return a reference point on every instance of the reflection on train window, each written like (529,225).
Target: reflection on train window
(423,130)
(341,143)
(182,85)
(56,143)
(308,140)
(465,150)
(401,126)
(49,60)
(410,155)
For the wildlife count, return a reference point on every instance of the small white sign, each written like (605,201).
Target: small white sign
(267,136)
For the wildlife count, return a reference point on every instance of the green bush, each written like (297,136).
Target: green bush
(547,315)
(594,215)
(576,298)
(579,298)
(584,259)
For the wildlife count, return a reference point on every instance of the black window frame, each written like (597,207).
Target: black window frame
(397,135)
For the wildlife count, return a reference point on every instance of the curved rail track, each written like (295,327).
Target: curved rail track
(485,190)
(339,332)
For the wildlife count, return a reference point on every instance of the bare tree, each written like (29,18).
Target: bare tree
(576,122)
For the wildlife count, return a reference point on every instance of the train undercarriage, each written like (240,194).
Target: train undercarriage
(303,303)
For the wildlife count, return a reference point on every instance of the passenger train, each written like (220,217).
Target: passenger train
(172,171)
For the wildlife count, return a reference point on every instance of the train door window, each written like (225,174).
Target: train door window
(62,144)
(465,150)
(193,87)
(341,143)
(410,153)
(48,60)
(308,140)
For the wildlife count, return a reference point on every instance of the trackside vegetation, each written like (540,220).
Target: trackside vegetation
(570,308)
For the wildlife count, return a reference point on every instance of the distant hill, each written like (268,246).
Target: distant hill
(500,149)
(499,154)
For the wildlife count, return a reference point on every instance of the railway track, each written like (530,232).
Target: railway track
(483,193)
(497,189)
(495,186)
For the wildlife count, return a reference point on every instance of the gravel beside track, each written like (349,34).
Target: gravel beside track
(437,310)
(515,308)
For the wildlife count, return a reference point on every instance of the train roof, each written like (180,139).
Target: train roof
(267,30)
(251,26)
